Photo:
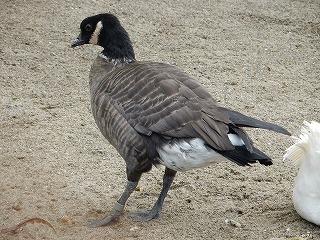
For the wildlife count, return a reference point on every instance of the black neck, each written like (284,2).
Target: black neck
(116,42)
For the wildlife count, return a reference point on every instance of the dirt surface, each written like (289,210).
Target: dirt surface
(258,57)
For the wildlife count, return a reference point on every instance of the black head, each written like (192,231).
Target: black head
(106,31)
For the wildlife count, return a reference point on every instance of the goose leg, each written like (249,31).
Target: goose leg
(117,208)
(144,216)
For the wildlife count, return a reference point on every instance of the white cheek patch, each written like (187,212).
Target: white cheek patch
(95,35)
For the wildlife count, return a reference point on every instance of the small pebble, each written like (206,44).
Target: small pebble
(232,223)
(134,228)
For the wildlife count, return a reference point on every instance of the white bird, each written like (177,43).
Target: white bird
(306,154)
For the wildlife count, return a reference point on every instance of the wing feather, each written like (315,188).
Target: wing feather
(157,97)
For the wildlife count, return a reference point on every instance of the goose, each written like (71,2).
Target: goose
(154,113)
(305,153)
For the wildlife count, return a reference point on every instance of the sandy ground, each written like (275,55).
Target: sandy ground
(258,57)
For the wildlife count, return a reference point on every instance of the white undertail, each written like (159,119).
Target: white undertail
(187,154)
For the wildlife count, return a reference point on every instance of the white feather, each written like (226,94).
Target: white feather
(186,155)
(235,139)
(306,154)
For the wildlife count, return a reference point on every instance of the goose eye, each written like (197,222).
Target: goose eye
(88,27)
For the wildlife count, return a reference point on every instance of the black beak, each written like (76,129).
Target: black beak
(78,41)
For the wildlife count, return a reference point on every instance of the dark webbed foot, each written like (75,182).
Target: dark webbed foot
(140,215)
(113,216)
(143,216)
(117,208)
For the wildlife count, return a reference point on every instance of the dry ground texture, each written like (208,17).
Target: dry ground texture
(258,57)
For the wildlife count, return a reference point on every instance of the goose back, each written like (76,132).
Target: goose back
(148,97)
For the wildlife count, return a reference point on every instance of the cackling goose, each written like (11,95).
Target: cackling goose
(153,113)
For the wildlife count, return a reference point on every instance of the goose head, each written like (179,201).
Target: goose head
(106,31)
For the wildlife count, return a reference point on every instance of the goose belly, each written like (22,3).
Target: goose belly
(186,154)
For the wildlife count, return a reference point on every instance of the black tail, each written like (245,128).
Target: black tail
(241,120)
(241,156)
